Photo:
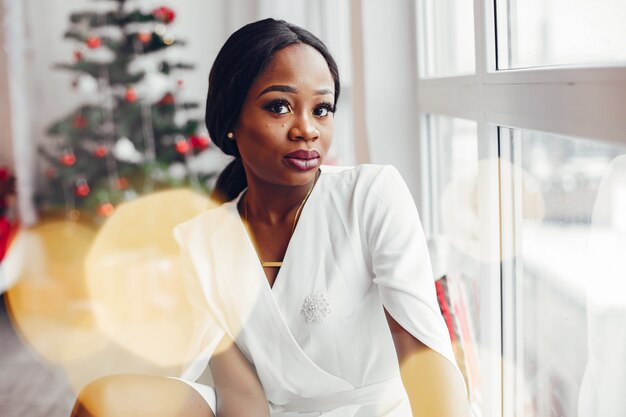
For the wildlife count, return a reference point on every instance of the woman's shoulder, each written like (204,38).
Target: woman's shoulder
(213,218)
(363,175)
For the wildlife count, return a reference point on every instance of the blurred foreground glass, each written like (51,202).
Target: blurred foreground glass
(568,275)
(446,38)
(454,245)
(534,33)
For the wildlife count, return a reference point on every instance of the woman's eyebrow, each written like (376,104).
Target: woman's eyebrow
(278,87)
(290,89)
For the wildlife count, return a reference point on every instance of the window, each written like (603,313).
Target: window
(535,33)
(567,205)
(537,119)
(454,237)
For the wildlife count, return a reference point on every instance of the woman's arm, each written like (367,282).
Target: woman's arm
(433,385)
(239,392)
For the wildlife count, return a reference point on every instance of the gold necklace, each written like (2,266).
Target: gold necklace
(278,264)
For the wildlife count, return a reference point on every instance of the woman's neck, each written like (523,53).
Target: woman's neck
(272,204)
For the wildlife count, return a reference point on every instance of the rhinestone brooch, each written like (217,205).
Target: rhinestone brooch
(315,307)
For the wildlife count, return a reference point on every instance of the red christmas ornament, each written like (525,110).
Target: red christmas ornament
(7,187)
(4,173)
(79,122)
(180,83)
(51,172)
(78,55)
(122,183)
(130,95)
(93,42)
(167,100)
(82,189)
(199,142)
(101,151)
(182,146)
(68,158)
(8,231)
(144,37)
(164,14)
(105,209)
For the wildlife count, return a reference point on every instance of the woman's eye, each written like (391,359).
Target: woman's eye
(279,107)
(323,110)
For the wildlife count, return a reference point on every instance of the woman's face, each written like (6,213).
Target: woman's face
(286,123)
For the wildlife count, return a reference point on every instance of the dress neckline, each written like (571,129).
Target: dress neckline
(251,248)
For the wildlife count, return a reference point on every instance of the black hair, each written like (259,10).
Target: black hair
(243,57)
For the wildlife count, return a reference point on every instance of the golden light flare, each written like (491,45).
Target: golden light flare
(104,302)
(48,303)
(433,385)
(134,277)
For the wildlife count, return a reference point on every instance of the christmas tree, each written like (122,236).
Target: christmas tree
(124,142)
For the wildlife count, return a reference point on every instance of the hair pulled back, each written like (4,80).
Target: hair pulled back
(243,57)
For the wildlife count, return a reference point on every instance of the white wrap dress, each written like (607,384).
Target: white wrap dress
(318,338)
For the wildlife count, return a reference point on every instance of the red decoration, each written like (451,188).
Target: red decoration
(7,187)
(105,209)
(180,83)
(51,172)
(82,189)
(78,55)
(80,122)
(144,37)
(122,183)
(130,95)
(182,146)
(8,231)
(68,158)
(164,14)
(167,100)
(101,151)
(93,42)
(4,174)
(199,142)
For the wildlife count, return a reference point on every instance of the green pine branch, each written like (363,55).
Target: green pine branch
(166,68)
(117,71)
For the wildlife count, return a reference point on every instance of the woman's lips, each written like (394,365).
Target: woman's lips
(303,160)
(303,154)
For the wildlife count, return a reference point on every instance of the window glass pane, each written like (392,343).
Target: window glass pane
(559,32)
(454,245)
(569,275)
(447,37)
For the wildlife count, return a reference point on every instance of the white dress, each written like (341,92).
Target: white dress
(358,246)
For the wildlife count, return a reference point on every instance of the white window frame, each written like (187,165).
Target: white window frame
(579,101)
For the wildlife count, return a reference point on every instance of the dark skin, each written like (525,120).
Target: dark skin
(288,108)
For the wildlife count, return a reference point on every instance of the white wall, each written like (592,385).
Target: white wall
(389,65)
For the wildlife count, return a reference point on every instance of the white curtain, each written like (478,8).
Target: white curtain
(17,49)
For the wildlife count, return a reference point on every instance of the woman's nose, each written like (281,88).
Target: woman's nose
(303,128)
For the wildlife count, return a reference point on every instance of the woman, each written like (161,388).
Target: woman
(320,275)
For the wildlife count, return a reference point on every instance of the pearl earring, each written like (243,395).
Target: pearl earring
(230,135)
